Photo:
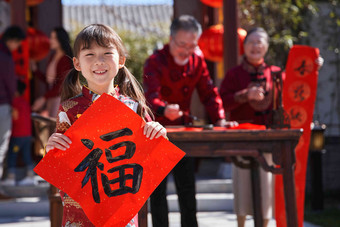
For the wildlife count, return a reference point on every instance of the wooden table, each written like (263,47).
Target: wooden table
(250,144)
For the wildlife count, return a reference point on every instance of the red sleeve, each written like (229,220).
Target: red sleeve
(61,127)
(152,85)
(63,67)
(208,94)
(228,88)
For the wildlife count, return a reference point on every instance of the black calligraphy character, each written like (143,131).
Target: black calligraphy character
(123,188)
(299,92)
(137,170)
(91,163)
(302,68)
(130,146)
(295,116)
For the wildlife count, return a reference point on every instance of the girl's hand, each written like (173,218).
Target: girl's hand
(57,140)
(154,129)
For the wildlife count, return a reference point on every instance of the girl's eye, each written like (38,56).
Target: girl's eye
(108,53)
(88,54)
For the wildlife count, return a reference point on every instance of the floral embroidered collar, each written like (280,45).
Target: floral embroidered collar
(93,96)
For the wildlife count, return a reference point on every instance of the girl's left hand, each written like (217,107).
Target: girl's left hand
(154,129)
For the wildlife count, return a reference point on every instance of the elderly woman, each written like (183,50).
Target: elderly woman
(247,93)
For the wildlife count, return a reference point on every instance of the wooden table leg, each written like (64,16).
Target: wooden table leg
(56,207)
(288,162)
(143,216)
(256,193)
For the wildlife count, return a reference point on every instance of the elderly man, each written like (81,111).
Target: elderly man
(170,77)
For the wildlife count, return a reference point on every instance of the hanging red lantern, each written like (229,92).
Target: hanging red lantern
(33,2)
(213,3)
(211,42)
(241,36)
(39,44)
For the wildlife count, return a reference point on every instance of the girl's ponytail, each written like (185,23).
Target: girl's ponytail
(71,86)
(129,86)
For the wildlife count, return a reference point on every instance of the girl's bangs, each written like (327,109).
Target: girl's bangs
(101,35)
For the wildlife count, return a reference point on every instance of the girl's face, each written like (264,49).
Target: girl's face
(255,48)
(54,43)
(99,65)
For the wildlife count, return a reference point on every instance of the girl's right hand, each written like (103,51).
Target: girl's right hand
(58,140)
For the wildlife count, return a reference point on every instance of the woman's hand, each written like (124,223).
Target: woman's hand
(255,93)
(38,103)
(57,140)
(319,61)
(154,129)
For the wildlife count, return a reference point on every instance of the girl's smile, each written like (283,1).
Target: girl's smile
(99,65)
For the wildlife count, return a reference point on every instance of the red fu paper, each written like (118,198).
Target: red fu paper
(111,168)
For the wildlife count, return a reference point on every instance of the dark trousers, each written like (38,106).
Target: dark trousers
(20,145)
(185,185)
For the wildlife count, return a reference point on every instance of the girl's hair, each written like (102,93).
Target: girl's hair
(64,40)
(128,85)
(257,30)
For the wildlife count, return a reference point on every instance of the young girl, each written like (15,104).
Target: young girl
(100,57)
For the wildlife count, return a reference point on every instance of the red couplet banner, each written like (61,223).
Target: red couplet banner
(111,168)
(299,93)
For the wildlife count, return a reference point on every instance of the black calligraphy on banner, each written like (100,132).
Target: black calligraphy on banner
(295,115)
(299,93)
(129,175)
(304,68)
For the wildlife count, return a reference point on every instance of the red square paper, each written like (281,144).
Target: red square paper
(111,168)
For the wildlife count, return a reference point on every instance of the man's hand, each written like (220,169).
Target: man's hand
(172,112)
(224,123)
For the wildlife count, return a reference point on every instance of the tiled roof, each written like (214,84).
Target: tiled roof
(144,19)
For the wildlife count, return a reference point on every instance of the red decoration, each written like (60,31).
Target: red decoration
(39,44)
(30,2)
(21,61)
(299,93)
(33,2)
(241,36)
(110,136)
(211,42)
(213,3)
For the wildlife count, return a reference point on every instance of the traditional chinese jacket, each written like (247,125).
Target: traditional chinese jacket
(243,76)
(165,82)
(69,111)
